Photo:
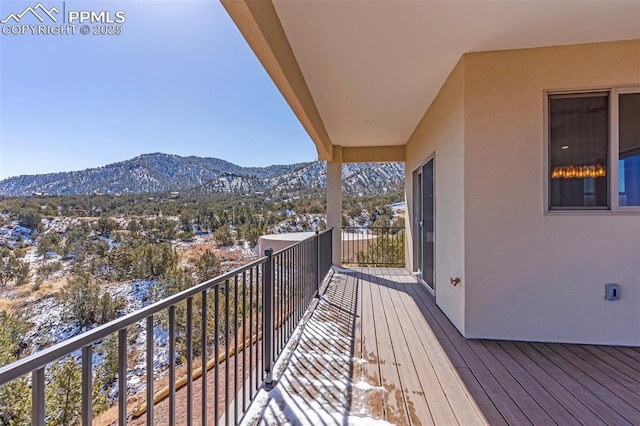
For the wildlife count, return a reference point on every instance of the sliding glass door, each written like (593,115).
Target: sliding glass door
(424,222)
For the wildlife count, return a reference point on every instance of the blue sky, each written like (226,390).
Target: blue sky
(180,79)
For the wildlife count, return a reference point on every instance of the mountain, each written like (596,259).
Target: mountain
(164,172)
(146,173)
(357,179)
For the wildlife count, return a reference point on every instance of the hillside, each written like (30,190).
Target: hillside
(358,179)
(165,172)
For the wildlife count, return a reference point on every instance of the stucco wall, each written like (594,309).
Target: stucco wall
(530,275)
(442,131)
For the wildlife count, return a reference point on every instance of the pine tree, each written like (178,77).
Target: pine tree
(63,394)
(7,263)
(105,374)
(207,266)
(15,401)
(80,298)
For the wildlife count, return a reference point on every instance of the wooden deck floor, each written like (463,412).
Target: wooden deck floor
(428,373)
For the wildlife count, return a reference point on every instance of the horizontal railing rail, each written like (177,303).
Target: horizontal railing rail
(373,246)
(46,356)
(246,317)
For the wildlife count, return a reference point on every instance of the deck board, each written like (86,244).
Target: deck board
(369,353)
(554,411)
(454,359)
(554,388)
(609,369)
(395,405)
(633,353)
(413,391)
(443,388)
(620,362)
(505,406)
(535,414)
(613,394)
(574,386)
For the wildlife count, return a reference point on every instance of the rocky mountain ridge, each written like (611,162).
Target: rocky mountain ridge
(172,173)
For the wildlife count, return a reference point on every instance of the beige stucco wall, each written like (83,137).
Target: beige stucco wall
(526,274)
(531,275)
(441,131)
(278,242)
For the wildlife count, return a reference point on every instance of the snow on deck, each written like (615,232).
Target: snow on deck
(316,376)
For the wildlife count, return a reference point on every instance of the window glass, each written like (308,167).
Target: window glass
(578,150)
(629,142)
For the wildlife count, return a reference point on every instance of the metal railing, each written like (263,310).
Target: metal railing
(236,325)
(373,246)
(325,247)
(296,274)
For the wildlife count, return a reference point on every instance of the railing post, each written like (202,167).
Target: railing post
(87,385)
(268,325)
(318,263)
(331,246)
(122,377)
(37,397)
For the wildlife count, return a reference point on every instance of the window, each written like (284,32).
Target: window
(594,151)
(629,149)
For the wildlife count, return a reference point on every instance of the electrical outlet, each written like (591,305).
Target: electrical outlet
(612,291)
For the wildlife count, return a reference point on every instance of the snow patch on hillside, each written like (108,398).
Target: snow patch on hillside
(299,223)
(13,234)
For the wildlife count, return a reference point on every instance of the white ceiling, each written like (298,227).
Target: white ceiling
(374,67)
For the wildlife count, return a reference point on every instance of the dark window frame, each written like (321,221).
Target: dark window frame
(612,167)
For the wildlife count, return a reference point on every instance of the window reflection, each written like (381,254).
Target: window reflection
(629,137)
(578,150)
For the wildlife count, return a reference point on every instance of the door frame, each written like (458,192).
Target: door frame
(418,170)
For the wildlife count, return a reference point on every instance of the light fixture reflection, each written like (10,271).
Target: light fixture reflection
(579,172)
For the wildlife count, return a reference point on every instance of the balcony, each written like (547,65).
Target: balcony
(289,339)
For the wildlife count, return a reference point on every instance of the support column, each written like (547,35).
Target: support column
(334,202)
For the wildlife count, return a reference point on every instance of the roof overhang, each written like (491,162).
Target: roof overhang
(362,74)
